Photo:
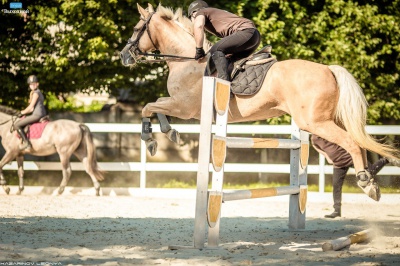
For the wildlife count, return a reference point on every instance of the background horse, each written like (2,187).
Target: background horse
(323,100)
(65,137)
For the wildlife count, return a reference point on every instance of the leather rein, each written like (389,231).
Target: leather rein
(136,53)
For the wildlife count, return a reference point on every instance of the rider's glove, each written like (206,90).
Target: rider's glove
(199,53)
(19,114)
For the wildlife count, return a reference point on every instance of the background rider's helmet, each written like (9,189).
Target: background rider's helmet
(32,79)
(195,6)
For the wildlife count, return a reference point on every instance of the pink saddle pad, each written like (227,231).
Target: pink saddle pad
(35,130)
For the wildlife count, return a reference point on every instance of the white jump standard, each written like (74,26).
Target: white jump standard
(216,94)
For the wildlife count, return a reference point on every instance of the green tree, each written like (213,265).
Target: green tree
(74,45)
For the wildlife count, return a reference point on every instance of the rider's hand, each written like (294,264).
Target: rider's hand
(199,53)
(19,114)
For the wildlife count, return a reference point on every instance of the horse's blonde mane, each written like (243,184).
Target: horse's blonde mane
(183,21)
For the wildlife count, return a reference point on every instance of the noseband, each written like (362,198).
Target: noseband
(133,46)
(136,53)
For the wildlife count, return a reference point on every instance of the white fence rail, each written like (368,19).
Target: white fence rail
(143,166)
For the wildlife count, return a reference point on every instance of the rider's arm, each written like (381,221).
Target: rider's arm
(31,105)
(198,29)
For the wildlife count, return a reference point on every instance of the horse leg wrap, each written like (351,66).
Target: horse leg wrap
(164,123)
(146,129)
(364,178)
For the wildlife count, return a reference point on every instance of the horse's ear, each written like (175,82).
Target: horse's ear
(150,8)
(143,13)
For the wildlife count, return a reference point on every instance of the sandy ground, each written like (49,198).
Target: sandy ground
(132,227)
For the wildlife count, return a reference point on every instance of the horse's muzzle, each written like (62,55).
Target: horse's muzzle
(126,58)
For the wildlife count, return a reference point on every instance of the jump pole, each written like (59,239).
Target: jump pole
(343,242)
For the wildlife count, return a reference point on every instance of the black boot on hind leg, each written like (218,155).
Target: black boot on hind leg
(367,183)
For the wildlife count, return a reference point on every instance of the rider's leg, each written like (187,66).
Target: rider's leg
(20,125)
(339,175)
(221,63)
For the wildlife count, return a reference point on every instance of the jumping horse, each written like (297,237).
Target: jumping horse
(65,137)
(323,100)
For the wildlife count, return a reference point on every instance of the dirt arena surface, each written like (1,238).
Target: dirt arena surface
(134,227)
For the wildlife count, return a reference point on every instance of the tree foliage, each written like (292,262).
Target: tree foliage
(74,45)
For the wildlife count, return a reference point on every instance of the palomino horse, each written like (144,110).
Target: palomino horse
(65,137)
(323,100)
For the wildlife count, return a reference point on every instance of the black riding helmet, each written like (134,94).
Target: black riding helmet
(195,6)
(32,79)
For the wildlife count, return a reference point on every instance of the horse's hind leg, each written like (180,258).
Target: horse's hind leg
(166,128)
(20,162)
(81,154)
(330,131)
(66,172)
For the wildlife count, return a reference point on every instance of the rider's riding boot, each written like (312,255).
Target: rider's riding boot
(221,64)
(26,142)
(339,175)
(336,213)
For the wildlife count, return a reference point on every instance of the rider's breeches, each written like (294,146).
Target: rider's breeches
(26,121)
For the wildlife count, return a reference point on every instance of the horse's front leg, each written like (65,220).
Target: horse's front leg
(5,160)
(20,163)
(147,137)
(166,128)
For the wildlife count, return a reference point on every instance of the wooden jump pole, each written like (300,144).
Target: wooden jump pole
(345,241)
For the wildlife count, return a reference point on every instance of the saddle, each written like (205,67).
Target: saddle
(247,74)
(35,130)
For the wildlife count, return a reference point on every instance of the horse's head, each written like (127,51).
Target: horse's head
(141,40)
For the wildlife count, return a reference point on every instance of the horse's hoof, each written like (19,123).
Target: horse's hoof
(19,192)
(151,145)
(60,190)
(6,190)
(97,191)
(372,190)
(174,136)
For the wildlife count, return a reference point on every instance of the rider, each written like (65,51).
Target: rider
(240,38)
(36,107)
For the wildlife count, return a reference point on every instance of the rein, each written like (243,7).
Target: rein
(135,44)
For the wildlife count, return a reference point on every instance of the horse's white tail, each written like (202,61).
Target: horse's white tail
(91,153)
(351,112)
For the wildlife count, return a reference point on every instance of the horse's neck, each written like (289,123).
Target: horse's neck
(5,123)
(173,39)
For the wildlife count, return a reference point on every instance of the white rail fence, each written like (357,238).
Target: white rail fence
(143,166)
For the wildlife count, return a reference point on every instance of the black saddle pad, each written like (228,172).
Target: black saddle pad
(248,80)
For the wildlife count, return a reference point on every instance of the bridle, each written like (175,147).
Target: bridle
(137,54)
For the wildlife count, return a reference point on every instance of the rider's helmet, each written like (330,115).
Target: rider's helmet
(195,6)
(32,79)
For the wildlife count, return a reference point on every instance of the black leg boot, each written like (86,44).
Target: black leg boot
(26,142)
(221,63)
(337,182)
(377,166)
